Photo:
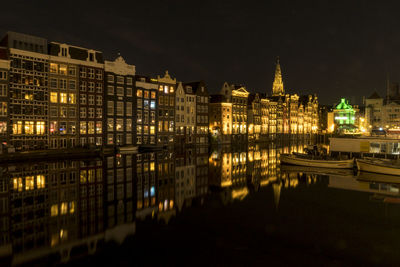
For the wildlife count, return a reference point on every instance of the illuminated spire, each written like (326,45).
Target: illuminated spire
(277,86)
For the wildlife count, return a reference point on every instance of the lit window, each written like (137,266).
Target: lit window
(110,124)
(3,127)
(139,93)
(40,127)
(160,88)
(29,183)
(17,184)
(153,94)
(72,207)
(54,210)
(83,127)
(63,98)
(29,127)
(40,181)
(99,127)
(64,208)
(166,89)
(53,97)
(83,176)
(171,89)
(91,127)
(53,68)
(63,69)
(17,127)
(71,98)
(152,129)
(119,125)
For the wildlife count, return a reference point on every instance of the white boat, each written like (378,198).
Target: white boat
(321,163)
(379,166)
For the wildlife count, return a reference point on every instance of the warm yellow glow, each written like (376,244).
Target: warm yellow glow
(63,234)
(53,97)
(29,183)
(28,96)
(63,98)
(63,69)
(17,184)
(83,177)
(72,207)
(54,239)
(53,68)
(54,210)
(29,127)
(152,166)
(40,127)
(90,175)
(160,206)
(171,204)
(72,99)
(64,208)
(240,193)
(40,181)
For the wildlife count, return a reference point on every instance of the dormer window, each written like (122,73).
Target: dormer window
(64,52)
(91,56)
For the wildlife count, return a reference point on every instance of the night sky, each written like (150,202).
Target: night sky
(333,48)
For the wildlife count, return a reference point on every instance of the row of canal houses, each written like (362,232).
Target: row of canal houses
(56,96)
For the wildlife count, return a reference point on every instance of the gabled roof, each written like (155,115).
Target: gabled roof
(374,96)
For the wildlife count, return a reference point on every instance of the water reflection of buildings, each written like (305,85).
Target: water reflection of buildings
(68,207)
(64,208)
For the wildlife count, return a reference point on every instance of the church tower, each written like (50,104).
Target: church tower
(277,86)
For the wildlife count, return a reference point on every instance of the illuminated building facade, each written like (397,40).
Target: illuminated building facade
(254,121)
(63,92)
(265,118)
(28,90)
(166,109)
(4,99)
(120,100)
(291,115)
(237,95)
(146,110)
(202,101)
(345,116)
(191,115)
(220,119)
(91,81)
(185,119)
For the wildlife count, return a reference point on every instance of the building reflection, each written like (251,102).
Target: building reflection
(67,208)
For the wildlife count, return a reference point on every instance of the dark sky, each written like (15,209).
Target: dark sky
(332,48)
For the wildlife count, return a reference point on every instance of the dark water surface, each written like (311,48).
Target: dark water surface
(196,207)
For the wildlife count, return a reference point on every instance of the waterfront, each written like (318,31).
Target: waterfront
(225,206)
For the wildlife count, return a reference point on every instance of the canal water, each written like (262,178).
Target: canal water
(195,206)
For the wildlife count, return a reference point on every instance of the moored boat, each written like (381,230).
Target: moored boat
(310,161)
(379,166)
